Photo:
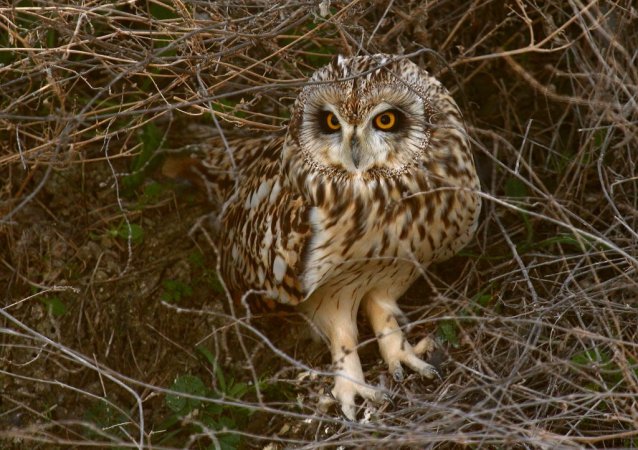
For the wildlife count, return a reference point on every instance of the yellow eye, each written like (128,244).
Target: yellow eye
(385,121)
(332,122)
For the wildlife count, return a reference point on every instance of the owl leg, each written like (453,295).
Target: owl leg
(393,345)
(337,320)
(349,380)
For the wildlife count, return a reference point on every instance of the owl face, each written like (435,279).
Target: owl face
(363,114)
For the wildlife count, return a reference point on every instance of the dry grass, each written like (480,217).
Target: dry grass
(539,316)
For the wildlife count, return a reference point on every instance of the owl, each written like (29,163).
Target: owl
(372,181)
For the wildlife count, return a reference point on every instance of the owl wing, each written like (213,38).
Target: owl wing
(263,221)
(264,229)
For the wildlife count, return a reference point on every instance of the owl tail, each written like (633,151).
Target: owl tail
(215,181)
(186,168)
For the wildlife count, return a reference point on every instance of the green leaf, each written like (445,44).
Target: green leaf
(153,190)
(55,305)
(207,354)
(447,332)
(161,11)
(187,384)
(215,409)
(601,360)
(219,375)
(150,140)
(565,239)
(589,357)
(483,300)
(228,441)
(514,187)
(599,138)
(52,38)
(196,259)
(126,229)
(215,284)
(175,290)
(238,390)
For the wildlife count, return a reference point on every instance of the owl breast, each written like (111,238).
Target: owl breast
(385,230)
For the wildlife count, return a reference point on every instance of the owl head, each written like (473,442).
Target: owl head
(366,114)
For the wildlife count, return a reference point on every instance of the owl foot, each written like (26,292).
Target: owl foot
(394,347)
(340,327)
(349,381)
(397,351)
(345,390)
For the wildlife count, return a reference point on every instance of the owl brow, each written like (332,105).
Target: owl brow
(320,113)
(403,111)
(380,65)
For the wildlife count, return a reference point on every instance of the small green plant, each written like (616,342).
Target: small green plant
(517,190)
(126,230)
(600,373)
(151,194)
(55,305)
(162,10)
(192,415)
(447,331)
(107,417)
(209,276)
(196,259)
(600,362)
(175,290)
(570,240)
(145,161)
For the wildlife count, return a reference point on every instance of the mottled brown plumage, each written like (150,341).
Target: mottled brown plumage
(373,181)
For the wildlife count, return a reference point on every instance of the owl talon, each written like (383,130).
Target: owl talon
(425,345)
(397,374)
(424,369)
(345,392)
(409,358)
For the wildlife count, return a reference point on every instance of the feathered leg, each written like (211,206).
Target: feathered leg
(337,320)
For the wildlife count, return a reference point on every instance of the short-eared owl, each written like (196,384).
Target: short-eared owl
(372,182)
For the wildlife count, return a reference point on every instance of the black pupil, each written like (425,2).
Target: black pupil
(333,121)
(385,119)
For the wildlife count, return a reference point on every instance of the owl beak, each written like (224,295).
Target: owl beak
(355,151)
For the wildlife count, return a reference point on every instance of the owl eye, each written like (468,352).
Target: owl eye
(386,121)
(330,122)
